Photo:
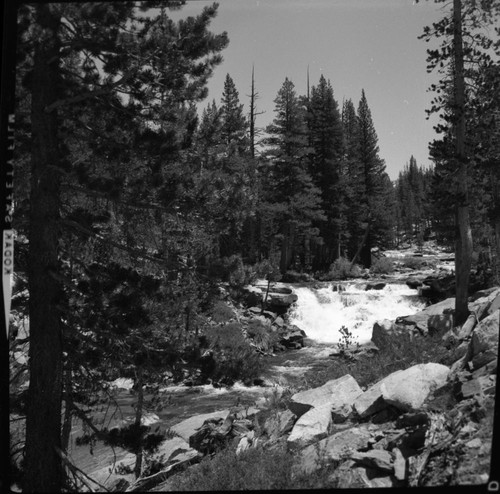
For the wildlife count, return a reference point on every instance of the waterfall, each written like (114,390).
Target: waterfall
(321,312)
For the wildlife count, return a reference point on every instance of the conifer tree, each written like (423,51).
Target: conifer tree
(234,124)
(464,48)
(353,177)
(208,135)
(372,186)
(325,139)
(79,57)
(293,199)
(413,196)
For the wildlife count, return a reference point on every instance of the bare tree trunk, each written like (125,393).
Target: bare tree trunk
(361,245)
(463,245)
(252,117)
(287,246)
(68,410)
(44,471)
(496,264)
(138,418)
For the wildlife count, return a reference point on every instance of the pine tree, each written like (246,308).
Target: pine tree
(326,140)
(293,199)
(413,196)
(69,94)
(234,124)
(208,135)
(373,169)
(353,177)
(464,48)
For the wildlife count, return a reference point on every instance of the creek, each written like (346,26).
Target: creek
(321,310)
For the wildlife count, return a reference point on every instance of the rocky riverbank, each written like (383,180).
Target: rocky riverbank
(426,424)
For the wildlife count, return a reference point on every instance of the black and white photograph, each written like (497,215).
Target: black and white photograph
(250,245)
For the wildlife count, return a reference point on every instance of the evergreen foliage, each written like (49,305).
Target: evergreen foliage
(467,61)
(375,184)
(413,195)
(131,208)
(111,112)
(293,199)
(325,138)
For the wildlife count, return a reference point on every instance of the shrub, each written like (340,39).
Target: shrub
(418,263)
(221,312)
(295,277)
(347,340)
(400,352)
(262,336)
(383,265)
(232,270)
(254,469)
(341,270)
(266,269)
(234,358)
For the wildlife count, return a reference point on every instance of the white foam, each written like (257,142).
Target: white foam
(123,383)
(322,312)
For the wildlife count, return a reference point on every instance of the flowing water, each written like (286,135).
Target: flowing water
(321,310)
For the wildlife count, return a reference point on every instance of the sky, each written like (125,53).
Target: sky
(356,44)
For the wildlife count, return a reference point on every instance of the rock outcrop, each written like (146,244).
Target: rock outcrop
(334,393)
(389,435)
(407,390)
(279,298)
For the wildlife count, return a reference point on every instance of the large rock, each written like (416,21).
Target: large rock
(371,401)
(376,458)
(386,329)
(292,336)
(189,427)
(485,303)
(350,475)
(172,448)
(334,393)
(435,318)
(484,342)
(279,424)
(399,464)
(314,425)
(334,448)
(407,390)
(375,286)
(279,297)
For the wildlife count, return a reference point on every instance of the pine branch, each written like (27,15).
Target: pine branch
(137,205)
(74,469)
(137,254)
(90,94)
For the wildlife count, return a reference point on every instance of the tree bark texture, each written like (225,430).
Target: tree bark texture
(44,472)
(362,245)
(287,246)
(463,245)
(138,418)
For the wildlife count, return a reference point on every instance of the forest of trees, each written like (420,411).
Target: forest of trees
(131,206)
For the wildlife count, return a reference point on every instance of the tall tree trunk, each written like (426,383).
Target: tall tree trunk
(252,117)
(44,472)
(463,245)
(364,240)
(287,245)
(138,418)
(496,265)
(68,409)
(366,250)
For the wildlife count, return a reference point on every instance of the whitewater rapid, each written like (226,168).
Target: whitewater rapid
(321,312)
